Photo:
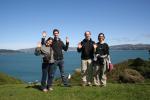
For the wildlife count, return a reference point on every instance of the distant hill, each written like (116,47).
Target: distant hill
(114,47)
(131,47)
(72,49)
(6,51)
(28,50)
(31,50)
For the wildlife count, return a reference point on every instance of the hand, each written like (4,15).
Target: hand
(95,46)
(67,40)
(79,45)
(39,44)
(44,33)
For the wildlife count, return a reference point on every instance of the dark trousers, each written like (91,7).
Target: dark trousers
(60,64)
(47,70)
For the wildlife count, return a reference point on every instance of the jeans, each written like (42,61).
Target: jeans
(60,64)
(47,71)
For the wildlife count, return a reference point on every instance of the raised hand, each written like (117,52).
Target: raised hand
(39,44)
(95,46)
(79,45)
(67,40)
(44,33)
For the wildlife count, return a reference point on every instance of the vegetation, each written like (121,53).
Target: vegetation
(5,79)
(142,66)
(138,64)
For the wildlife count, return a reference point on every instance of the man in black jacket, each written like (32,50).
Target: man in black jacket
(86,47)
(58,47)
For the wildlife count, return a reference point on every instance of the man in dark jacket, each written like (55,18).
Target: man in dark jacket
(86,47)
(58,47)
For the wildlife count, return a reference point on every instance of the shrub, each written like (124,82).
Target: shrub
(131,76)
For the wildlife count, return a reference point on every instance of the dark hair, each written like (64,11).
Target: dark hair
(86,32)
(55,30)
(100,35)
(50,38)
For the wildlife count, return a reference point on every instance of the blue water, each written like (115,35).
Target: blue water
(27,67)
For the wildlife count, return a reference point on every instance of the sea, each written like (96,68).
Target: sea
(27,66)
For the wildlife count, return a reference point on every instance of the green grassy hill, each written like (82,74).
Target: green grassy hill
(5,79)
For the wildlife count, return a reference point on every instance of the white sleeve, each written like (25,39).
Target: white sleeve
(109,59)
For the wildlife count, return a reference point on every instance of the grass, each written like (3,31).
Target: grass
(110,92)
(5,79)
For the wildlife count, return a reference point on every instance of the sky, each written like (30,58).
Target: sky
(122,21)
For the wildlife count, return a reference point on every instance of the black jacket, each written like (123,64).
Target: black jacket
(87,50)
(102,49)
(58,46)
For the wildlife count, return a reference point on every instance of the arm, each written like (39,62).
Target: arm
(106,48)
(79,48)
(37,51)
(94,46)
(43,41)
(43,37)
(109,59)
(65,47)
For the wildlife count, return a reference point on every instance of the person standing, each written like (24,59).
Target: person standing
(58,47)
(102,61)
(86,47)
(48,63)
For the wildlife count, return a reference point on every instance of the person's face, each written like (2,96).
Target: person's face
(87,35)
(101,38)
(49,42)
(56,34)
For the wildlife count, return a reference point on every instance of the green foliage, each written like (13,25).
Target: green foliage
(142,66)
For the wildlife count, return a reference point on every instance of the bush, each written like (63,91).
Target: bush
(142,66)
(131,76)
